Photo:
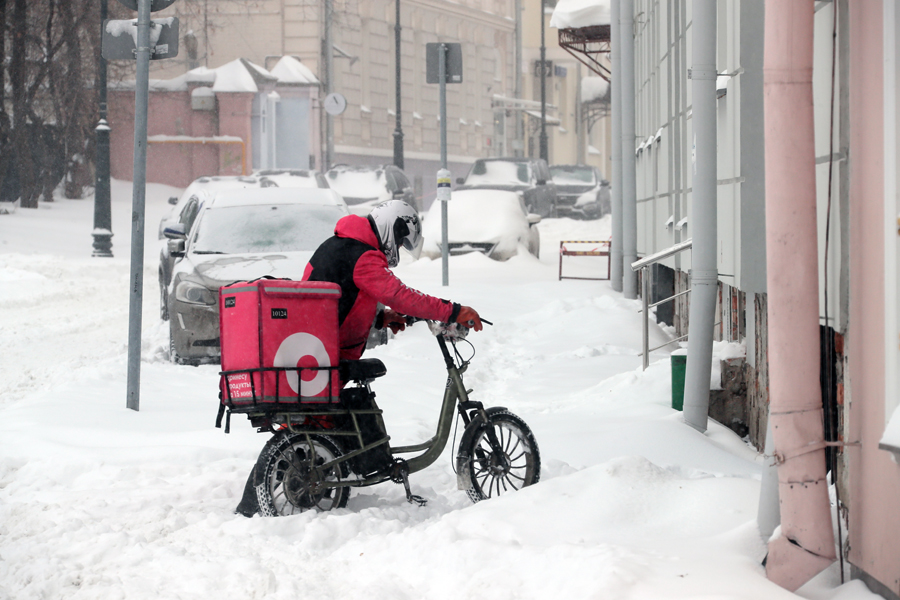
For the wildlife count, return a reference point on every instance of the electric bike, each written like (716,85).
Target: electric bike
(316,452)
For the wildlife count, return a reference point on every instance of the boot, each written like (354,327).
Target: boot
(249,504)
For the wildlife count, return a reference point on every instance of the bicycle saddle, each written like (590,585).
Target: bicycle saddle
(364,369)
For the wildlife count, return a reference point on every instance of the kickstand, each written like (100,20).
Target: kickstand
(410,497)
(400,474)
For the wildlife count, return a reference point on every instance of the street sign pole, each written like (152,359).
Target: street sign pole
(136,281)
(442,79)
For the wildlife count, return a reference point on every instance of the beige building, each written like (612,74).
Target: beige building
(481,118)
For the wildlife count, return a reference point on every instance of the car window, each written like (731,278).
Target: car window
(264,228)
(402,181)
(573,175)
(189,213)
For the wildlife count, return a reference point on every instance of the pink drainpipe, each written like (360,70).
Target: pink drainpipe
(806,544)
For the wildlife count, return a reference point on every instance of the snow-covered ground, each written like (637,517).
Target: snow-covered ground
(98,501)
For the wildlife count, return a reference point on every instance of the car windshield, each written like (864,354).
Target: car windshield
(358,184)
(573,175)
(264,228)
(499,172)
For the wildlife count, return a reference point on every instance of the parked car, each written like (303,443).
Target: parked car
(239,235)
(493,222)
(365,186)
(301,178)
(581,191)
(185,208)
(531,176)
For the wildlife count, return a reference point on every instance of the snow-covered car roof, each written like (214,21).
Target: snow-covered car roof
(276,195)
(352,181)
(499,172)
(575,174)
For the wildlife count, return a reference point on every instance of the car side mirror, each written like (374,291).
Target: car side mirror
(460,180)
(173,200)
(176,248)
(533,219)
(175,231)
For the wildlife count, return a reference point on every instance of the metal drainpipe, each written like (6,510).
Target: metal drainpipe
(616,265)
(629,174)
(704,274)
(328,52)
(806,544)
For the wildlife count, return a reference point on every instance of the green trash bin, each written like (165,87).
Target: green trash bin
(679,361)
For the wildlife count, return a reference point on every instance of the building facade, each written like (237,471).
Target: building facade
(481,118)
(855,91)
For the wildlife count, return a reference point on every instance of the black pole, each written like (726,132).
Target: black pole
(398,129)
(102,211)
(544,150)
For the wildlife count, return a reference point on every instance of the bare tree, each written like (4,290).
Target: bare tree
(54,49)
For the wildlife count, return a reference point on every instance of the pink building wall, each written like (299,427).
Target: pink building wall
(170,114)
(874,478)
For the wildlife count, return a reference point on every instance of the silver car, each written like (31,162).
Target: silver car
(185,207)
(239,235)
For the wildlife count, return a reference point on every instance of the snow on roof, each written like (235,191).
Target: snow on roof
(239,75)
(234,77)
(573,14)
(291,71)
(593,88)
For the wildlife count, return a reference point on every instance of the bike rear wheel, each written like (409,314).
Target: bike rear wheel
(287,481)
(515,464)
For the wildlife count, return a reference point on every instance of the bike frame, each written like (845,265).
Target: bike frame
(455,397)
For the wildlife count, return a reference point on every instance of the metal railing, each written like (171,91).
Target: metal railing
(645,264)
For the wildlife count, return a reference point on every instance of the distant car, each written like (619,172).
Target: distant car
(362,187)
(581,191)
(184,210)
(239,235)
(493,222)
(531,176)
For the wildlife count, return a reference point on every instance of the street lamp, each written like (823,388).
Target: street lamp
(102,212)
(398,129)
(545,153)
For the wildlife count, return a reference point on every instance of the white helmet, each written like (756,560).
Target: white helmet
(397,224)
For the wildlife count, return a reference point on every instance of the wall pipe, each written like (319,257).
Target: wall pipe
(629,168)
(615,250)
(704,273)
(328,56)
(806,544)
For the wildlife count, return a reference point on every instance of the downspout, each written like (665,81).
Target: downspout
(704,267)
(616,265)
(806,544)
(629,173)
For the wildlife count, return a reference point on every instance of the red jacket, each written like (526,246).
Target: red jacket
(353,260)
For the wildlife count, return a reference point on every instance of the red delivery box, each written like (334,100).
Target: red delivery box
(279,342)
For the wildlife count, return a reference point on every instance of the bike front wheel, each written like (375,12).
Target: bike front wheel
(515,461)
(289,478)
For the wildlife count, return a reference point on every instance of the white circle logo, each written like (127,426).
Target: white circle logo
(292,351)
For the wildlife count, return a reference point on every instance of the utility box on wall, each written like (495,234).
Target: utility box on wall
(203,98)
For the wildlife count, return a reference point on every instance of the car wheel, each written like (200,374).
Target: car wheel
(173,354)
(163,299)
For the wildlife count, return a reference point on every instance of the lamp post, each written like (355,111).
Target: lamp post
(102,212)
(544,151)
(398,129)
